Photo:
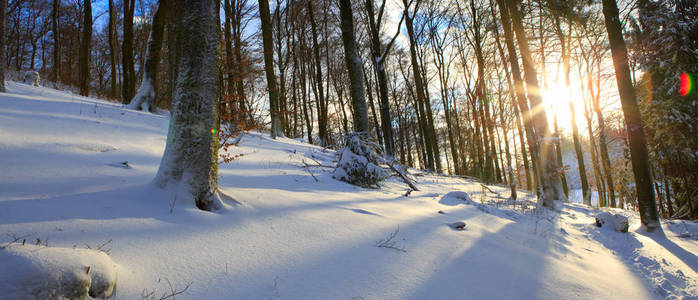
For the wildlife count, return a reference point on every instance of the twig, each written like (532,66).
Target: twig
(145,294)
(101,247)
(319,164)
(491,191)
(403,176)
(172,204)
(389,243)
(308,170)
(312,156)
(16,239)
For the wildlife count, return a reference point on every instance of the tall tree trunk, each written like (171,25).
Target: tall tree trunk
(436,147)
(305,105)
(372,105)
(353,62)
(239,63)
(56,70)
(633,119)
(549,181)
(128,88)
(3,41)
(265,16)
(667,193)
(322,109)
(231,100)
(145,98)
(558,151)
(515,105)
(605,159)
(378,57)
(86,40)
(111,35)
(566,47)
(586,193)
(594,157)
(190,161)
(519,88)
(429,143)
(281,106)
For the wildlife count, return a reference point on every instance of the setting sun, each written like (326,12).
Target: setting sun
(556,102)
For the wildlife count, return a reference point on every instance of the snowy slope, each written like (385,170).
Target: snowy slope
(297,233)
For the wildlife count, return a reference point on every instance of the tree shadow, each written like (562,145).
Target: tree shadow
(627,247)
(659,236)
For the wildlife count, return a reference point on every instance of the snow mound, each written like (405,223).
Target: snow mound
(616,222)
(455,198)
(684,229)
(40,272)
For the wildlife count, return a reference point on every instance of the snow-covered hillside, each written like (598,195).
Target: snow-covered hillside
(75,173)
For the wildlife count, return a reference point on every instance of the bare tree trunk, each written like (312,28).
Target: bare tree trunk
(594,159)
(549,181)
(322,109)
(268,42)
(353,62)
(605,159)
(379,56)
(56,41)
(239,9)
(520,94)
(282,64)
(112,47)
(3,41)
(586,193)
(372,105)
(305,105)
(558,151)
(190,161)
(145,98)
(231,100)
(128,88)
(633,119)
(420,93)
(86,40)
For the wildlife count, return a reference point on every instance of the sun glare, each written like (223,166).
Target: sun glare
(556,101)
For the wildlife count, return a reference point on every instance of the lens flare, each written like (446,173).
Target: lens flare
(213,131)
(686,84)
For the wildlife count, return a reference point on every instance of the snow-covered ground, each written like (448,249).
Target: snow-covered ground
(75,173)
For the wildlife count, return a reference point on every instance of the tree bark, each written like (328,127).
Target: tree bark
(86,40)
(3,21)
(378,57)
(549,181)
(353,62)
(322,103)
(586,193)
(190,161)
(566,47)
(128,88)
(520,93)
(603,147)
(420,93)
(268,43)
(145,98)
(633,120)
(558,151)
(56,41)
(112,35)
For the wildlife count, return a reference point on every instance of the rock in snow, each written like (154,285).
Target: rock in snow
(40,272)
(460,225)
(616,222)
